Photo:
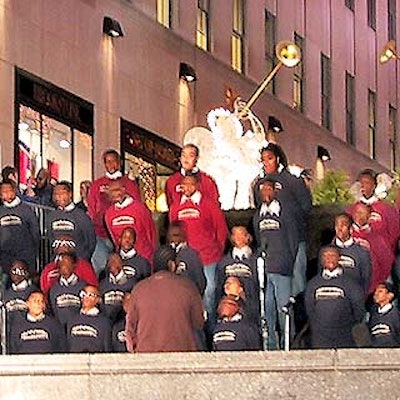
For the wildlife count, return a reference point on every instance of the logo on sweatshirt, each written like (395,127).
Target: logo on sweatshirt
(224,336)
(189,213)
(113,297)
(380,329)
(346,262)
(269,225)
(63,225)
(238,269)
(68,300)
(10,220)
(329,293)
(123,220)
(34,334)
(84,331)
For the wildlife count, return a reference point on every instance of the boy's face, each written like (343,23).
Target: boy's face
(116,192)
(111,163)
(36,304)
(342,228)
(128,240)
(382,296)
(330,259)
(267,192)
(7,193)
(65,266)
(188,158)
(175,235)
(361,214)
(62,196)
(367,185)
(240,237)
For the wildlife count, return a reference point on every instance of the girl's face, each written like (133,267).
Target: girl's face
(270,162)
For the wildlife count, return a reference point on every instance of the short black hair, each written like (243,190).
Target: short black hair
(194,147)
(10,183)
(71,255)
(111,152)
(7,171)
(368,172)
(346,216)
(66,185)
(162,257)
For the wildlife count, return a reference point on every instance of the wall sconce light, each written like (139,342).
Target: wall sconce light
(187,72)
(389,52)
(274,124)
(112,27)
(323,154)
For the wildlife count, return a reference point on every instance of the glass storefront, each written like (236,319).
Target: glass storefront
(150,160)
(54,131)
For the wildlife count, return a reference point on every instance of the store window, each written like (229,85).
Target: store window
(150,160)
(54,131)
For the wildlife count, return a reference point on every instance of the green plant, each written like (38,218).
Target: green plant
(334,188)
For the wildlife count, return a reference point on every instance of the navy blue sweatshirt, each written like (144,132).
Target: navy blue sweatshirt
(333,307)
(292,192)
(384,327)
(39,337)
(118,336)
(76,224)
(19,236)
(136,268)
(112,291)
(235,335)
(275,234)
(65,301)
(89,334)
(356,262)
(14,300)
(189,265)
(246,270)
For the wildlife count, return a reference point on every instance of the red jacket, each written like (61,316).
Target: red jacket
(83,269)
(98,201)
(382,257)
(205,227)
(173,191)
(137,216)
(384,220)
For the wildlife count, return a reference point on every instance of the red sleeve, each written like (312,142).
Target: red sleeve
(48,277)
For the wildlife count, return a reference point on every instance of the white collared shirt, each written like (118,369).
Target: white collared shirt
(118,279)
(195,198)
(92,312)
(69,207)
(115,175)
(344,245)
(16,202)
(386,308)
(124,203)
(178,247)
(71,281)
(194,170)
(326,274)
(20,286)
(242,253)
(31,318)
(127,254)
(371,200)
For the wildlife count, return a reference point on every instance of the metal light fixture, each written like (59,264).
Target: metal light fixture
(274,124)
(389,52)
(187,72)
(323,154)
(112,27)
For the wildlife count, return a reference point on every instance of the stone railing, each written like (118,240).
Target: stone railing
(344,374)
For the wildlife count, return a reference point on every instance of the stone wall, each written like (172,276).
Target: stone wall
(344,374)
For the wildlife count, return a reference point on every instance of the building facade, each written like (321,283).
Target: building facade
(70,91)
